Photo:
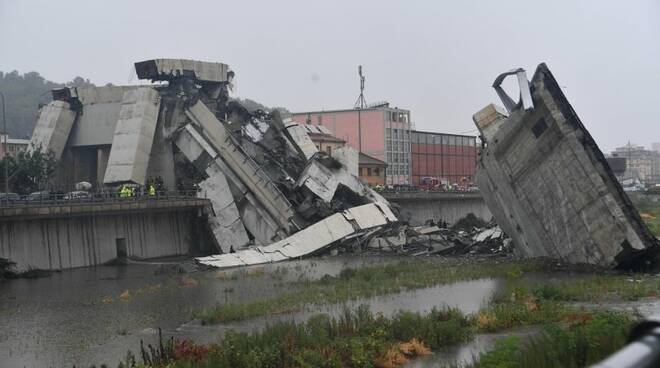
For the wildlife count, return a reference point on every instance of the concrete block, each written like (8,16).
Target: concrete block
(550,188)
(53,127)
(133,138)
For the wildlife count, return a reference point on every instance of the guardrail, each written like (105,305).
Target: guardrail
(84,197)
(423,190)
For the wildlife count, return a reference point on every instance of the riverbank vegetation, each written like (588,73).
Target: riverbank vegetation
(570,336)
(354,339)
(355,283)
(7,271)
(382,279)
(573,343)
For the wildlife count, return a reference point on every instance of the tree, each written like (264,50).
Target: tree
(29,171)
(24,95)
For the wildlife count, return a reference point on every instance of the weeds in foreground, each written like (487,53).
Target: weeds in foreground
(7,271)
(354,339)
(570,344)
(361,339)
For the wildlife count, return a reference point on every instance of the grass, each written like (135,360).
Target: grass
(570,344)
(523,302)
(355,339)
(650,213)
(355,283)
(382,279)
(7,271)
(571,336)
(592,288)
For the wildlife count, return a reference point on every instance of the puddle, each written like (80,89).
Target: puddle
(466,354)
(420,300)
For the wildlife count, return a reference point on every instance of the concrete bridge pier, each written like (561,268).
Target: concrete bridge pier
(66,235)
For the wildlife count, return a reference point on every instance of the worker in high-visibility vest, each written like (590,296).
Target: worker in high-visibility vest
(152,190)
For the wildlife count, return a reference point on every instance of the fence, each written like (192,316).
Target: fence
(44,199)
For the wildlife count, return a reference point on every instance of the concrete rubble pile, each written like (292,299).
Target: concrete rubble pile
(549,186)
(274,196)
(436,240)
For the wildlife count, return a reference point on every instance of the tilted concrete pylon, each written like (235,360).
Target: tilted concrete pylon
(549,186)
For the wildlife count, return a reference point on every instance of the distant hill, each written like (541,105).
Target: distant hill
(25,93)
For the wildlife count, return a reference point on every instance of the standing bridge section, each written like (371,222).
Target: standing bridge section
(59,234)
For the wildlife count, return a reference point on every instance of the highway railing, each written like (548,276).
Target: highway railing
(84,197)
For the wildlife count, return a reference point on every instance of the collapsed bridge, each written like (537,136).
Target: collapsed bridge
(549,186)
(263,175)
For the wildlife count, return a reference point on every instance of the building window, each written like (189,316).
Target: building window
(309,119)
(368,171)
(329,150)
(319,119)
(394,116)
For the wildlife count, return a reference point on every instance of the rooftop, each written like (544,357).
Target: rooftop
(365,159)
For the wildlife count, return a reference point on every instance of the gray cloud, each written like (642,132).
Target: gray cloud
(436,58)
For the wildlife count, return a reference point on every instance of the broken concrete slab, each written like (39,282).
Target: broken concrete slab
(244,167)
(226,224)
(253,216)
(549,186)
(349,157)
(323,182)
(166,69)
(308,241)
(299,138)
(133,138)
(53,127)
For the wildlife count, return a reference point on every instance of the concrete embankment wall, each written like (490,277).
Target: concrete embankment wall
(449,207)
(67,242)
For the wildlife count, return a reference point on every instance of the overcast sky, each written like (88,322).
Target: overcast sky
(436,58)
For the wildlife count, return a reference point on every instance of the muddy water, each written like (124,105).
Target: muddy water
(94,315)
(463,355)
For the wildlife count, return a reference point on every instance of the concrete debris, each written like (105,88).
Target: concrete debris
(273,195)
(310,240)
(435,240)
(548,184)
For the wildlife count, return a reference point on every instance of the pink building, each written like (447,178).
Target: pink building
(381,132)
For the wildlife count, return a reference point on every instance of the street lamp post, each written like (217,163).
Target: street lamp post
(4,156)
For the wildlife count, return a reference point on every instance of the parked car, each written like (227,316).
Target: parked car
(9,197)
(39,196)
(78,194)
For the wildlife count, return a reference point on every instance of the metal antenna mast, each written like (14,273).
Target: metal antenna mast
(360,103)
